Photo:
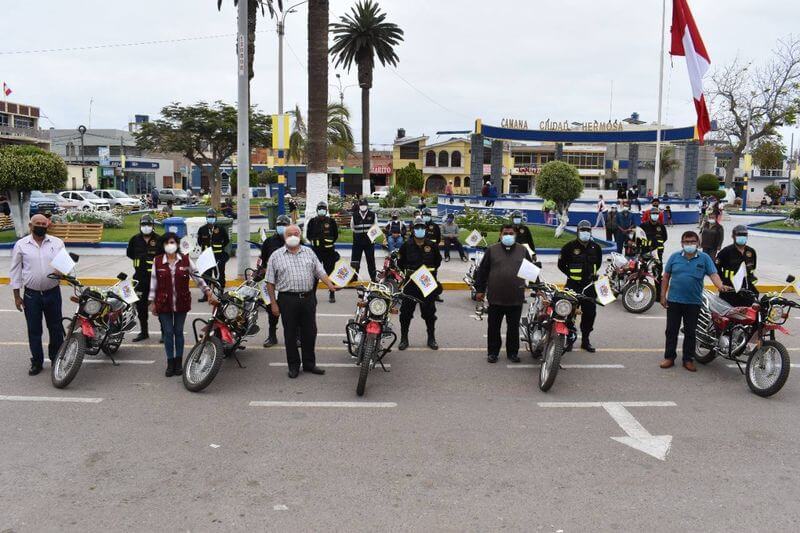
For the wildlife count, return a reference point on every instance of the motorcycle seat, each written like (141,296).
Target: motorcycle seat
(745,314)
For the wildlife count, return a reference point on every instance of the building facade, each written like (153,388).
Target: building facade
(19,124)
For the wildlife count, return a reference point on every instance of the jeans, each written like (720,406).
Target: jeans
(394,242)
(47,303)
(675,313)
(172,329)
(453,242)
(600,220)
(494,342)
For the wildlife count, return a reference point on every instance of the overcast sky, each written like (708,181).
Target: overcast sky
(463,59)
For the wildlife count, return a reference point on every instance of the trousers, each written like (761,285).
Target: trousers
(676,313)
(299,316)
(494,341)
(368,249)
(453,242)
(172,330)
(47,304)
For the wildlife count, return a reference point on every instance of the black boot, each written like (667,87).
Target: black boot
(178,368)
(432,338)
(586,345)
(272,339)
(141,336)
(170,368)
(332,297)
(403,337)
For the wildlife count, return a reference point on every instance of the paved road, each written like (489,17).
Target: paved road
(455,443)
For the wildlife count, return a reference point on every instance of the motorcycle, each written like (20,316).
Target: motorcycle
(233,320)
(634,280)
(746,336)
(549,327)
(99,324)
(475,261)
(369,336)
(391,276)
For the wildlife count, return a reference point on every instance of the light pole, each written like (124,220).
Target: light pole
(341,89)
(281,31)
(82,131)
(243,142)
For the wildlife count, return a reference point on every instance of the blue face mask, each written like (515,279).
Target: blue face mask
(690,248)
(426,218)
(508,240)
(419,233)
(741,240)
(280,230)
(654,217)
(585,236)
(517,221)
(211,221)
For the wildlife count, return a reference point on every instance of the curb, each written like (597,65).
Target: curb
(756,227)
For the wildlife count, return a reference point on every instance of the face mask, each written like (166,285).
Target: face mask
(625,210)
(293,241)
(508,240)
(517,221)
(322,212)
(171,248)
(585,236)
(741,240)
(419,233)
(211,221)
(39,231)
(146,230)
(426,218)
(654,217)
(690,248)
(363,208)
(280,230)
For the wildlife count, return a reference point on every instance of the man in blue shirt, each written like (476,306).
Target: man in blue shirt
(682,296)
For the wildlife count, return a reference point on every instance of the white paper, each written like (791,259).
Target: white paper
(374,232)
(423,278)
(62,262)
(474,238)
(342,273)
(262,287)
(263,234)
(640,234)
(124,289)
(206,261)
(739,277)
(528,271)
(605,295)
(530,251)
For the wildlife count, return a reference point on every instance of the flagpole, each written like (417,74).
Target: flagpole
(657,170)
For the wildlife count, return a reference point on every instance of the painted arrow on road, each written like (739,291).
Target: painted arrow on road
(638,437)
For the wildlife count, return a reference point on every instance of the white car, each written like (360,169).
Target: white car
(381,192)
(86,200)
(117,198)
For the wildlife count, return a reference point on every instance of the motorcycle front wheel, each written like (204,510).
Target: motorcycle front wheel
(368,352)
(638,297)
(68,360)
(768,369)
(550,362)
(202,364)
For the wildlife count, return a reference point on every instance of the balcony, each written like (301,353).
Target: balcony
(24,135)
(442,170)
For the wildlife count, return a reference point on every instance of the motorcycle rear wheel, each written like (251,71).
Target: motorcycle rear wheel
(550,362)
(768,369)
(367,355)
(638,297)
(202,364)
(68,360)
(710,354)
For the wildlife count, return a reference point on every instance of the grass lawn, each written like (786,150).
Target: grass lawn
(778,225)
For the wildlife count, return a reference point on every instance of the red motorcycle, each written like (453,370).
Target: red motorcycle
(391,276)
(634,280)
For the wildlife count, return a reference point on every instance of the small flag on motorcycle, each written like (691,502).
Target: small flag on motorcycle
(473,238)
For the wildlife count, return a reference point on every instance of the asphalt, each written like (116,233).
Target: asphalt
(453,444)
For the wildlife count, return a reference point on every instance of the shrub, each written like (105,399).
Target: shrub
(774,192)
(795,214)
(478,219)
(108,220)
(559,182)
(707,182)
(397,197)
(410,178)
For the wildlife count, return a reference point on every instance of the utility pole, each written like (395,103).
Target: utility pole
(281,31)
(243,143)
(82,131)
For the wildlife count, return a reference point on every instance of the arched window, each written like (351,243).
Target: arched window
(430,158)
(444,159)
(455,159)
(456,180)
(466,182)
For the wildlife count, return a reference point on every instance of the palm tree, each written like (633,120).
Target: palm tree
(315,150)
(252,17)
(668,164)
(358,38)
(339,136)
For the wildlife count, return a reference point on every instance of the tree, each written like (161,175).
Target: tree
(769,154)
(560,183)
(759,98)
(24,169)
(340,135)
(205,135)
(669,163)
(316,143)
(257,179)
(253,7)
(708,185)
(358,38)
(774,192)
(410,178)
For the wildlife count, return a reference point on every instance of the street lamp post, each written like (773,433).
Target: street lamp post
(82,131)
(341,89)
(281,32)
(243,142)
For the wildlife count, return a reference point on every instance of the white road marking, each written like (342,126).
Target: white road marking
(662,317)
(279,508)
(337,315)
(638,437)
(108,361)
(49,399)
(373,405)
(329,365)
(566,366)
(330,335)
(215,446)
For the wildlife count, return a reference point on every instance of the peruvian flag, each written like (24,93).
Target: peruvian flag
(686,41)
(6,89)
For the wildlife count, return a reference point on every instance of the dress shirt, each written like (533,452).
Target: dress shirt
(294,272)
(30,263)
(172,266)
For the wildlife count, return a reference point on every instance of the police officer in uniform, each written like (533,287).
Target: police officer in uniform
(418,250)
(522,232)
(142,248)
(362,220)
(323,232)
(579,260)
(434,234)
(656,232)
(730,259)
(217,239)
(269,246)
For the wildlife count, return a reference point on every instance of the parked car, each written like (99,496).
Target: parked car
(178,196)
(41,204)
(117,198)
(86,200)
(182,196)
(62,203)
(380,192)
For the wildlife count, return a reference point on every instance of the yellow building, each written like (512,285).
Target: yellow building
(443,162)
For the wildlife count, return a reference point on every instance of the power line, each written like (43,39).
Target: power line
(393,71)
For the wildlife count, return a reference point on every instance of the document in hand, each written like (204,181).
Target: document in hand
(206,261)
(528,271)
(374,232)
(62,262)
(739,277)
(474,238)
(342,273)
(423,278)
(605,295)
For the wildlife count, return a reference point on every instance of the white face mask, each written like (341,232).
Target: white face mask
(363,208)
(293,241)
(146,230)
(171,248)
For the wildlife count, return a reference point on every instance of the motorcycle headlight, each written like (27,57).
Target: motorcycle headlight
(230,312)
(563,308)
(92,306)
(378,306)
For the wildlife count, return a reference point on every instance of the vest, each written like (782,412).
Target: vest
(165,289)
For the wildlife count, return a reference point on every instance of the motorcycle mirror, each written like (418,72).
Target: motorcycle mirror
(74,256)
(122,276)
(790,278)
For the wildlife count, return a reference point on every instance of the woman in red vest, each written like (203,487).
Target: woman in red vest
(170,298)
